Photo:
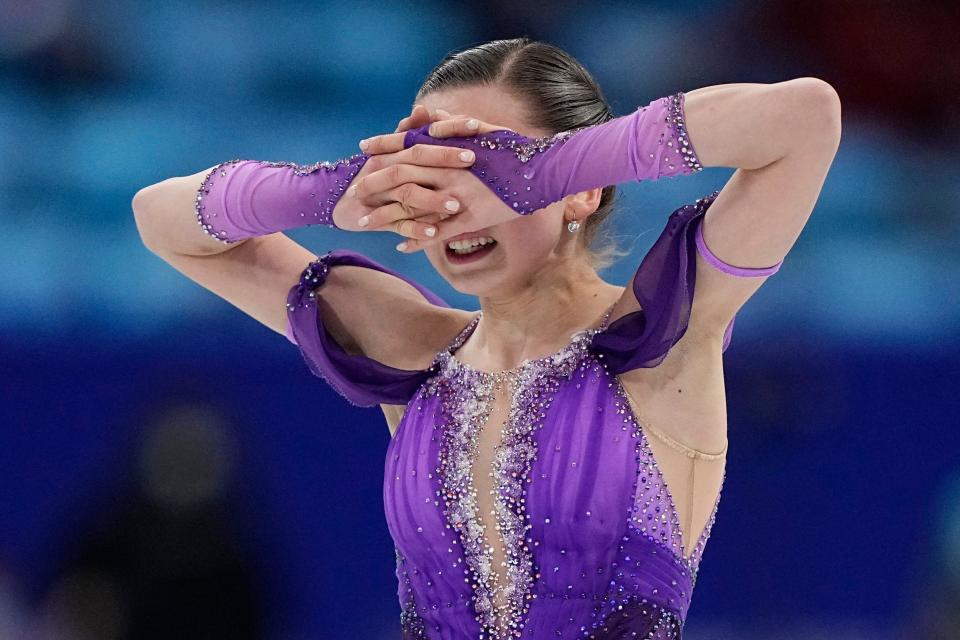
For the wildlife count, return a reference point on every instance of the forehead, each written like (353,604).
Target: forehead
(486,103)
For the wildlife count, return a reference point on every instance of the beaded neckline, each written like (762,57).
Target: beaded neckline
(578,340)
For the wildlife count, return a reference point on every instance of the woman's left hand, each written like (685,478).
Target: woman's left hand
(481,208)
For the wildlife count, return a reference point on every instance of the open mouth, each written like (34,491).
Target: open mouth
(462,251)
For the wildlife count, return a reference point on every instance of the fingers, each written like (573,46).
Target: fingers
(437,156)
(420,116)
(462,126)
(384,143)
(411,244)
(424,155)
(410,228)
(392,142)
(431,218)
(446,229)
(383,180)
(410,196)
(417,228)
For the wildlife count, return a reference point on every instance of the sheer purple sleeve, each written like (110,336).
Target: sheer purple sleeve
(363,381)
(240,199)
(663,288)
(649,144)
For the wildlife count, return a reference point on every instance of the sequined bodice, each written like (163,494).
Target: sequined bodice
(528,504)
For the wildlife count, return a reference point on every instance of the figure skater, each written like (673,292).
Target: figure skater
(556,458)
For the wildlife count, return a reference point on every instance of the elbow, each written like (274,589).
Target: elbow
(815,109)
(146,198)
(825,102)
(140,205)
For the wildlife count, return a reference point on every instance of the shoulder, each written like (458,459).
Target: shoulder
(424,331)
(375,311)
(370,331)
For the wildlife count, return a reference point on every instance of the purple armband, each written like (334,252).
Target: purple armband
(726,267)
(244,198)
(531,173)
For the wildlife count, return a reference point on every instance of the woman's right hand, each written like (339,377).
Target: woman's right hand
(414,209)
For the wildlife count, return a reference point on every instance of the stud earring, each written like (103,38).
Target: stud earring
(573,225)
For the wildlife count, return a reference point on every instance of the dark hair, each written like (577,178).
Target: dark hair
(558,92)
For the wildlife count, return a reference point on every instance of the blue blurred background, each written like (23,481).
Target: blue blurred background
(170,469)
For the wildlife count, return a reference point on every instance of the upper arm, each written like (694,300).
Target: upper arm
(366,311)
(357,326)
(751,224)
(384,317)
(759,214)
(254,275)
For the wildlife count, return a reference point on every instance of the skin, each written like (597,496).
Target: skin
(537,285)
(781,137)
(536,288)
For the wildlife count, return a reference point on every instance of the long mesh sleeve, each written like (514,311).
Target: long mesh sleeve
(240,199)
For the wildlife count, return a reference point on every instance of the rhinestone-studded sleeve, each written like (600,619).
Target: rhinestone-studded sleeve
(660,297)
(361,380)
(240,199)
(679,156)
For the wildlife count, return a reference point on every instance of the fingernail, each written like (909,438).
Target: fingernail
(353,190)
(472,124)
(402,246)
(466,156)
(364,221)
(364,144)
(443,113)
(451,205)
(430,130)
(431,231)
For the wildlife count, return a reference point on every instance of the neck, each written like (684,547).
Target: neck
(538,318)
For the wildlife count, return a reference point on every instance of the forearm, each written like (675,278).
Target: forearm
(750,125)
(741,125)
(240,199)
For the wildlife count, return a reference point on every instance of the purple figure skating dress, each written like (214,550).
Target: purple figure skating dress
(567,528)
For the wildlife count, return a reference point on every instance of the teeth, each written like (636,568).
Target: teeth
(468,246)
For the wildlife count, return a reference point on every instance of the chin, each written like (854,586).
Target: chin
(476,283)
(471,285)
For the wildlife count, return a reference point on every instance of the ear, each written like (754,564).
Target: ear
(583,204)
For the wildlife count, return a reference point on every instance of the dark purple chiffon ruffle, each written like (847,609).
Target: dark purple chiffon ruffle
(663,286)
(363,381)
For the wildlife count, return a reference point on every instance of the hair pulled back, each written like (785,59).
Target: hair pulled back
(558,93)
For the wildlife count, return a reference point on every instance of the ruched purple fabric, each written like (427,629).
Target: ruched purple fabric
(589,527)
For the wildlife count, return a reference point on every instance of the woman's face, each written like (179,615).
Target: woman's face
(526,245)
